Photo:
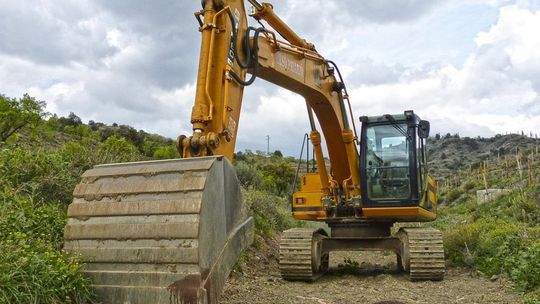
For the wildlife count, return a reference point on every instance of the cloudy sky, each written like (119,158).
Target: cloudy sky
(469,66)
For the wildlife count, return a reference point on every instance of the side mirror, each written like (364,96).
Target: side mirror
(423,129)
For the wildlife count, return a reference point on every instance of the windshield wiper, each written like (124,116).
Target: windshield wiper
(397,126)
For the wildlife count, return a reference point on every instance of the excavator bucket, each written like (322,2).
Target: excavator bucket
(159,231)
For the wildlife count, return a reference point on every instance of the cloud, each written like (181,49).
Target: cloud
(282,116)
(107,61)
(471,67)
(497,87)
(54,32)
(382,11)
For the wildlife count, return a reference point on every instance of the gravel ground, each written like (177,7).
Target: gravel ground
(374,279)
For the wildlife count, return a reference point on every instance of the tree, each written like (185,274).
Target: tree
(71,120)
(15,114)
(117,149)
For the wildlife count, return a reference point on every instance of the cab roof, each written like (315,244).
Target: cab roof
(408,115)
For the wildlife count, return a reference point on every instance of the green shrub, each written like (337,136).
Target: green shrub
(19,213)
(248,175)
(117,149)
(77,156)
(524,267)
(165,152)
(498,241)
(43,176)
(460,243)
(453,195)
(31,271)
(497,246)
(469,186)
(270,212)
(32,267)
(278,177)
(349,266)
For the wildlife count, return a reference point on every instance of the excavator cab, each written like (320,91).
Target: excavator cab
(393,162)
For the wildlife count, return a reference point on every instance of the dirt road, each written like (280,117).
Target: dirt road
(373,280)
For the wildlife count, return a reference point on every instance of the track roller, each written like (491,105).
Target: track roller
(300,254)
(422,253)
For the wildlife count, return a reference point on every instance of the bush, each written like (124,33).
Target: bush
(77,156)
(461,242)
(20,213)
(117,149)
(469,186)
(33,272)
(44,177)
(32,267)
(248,175)
(524,267)
(278,177)
(453,195)
(496,246)
(165,152)
(270,212)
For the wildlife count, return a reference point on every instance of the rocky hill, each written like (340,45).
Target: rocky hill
(450,153)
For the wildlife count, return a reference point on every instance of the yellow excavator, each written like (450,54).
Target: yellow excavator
(171,231)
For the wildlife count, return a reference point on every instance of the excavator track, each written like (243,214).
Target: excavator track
(300,255)
(159,231)
(422,254)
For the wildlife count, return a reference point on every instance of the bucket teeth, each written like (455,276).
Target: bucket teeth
(153,232)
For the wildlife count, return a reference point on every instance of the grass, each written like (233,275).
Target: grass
(498,237)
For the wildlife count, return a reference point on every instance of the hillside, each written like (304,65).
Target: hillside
(451,153)
(497,236)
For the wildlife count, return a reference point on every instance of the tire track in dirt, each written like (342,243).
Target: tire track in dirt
(375,280)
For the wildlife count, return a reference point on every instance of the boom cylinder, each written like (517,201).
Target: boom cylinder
(265,11)
(348,140)
(201,107)
(316,141)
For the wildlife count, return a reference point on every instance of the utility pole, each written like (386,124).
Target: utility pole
(267,145)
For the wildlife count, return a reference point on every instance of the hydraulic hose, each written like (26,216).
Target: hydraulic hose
(251,53)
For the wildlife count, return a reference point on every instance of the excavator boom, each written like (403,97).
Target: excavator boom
(229,51)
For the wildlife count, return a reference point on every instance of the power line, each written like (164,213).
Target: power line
(267,145)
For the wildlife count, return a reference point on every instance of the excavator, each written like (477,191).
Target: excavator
(170,231)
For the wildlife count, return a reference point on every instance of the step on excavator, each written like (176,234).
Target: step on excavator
(170,231)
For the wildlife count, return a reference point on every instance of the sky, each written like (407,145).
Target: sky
(468,66)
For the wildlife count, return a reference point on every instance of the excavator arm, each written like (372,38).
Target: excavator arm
(229,50)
